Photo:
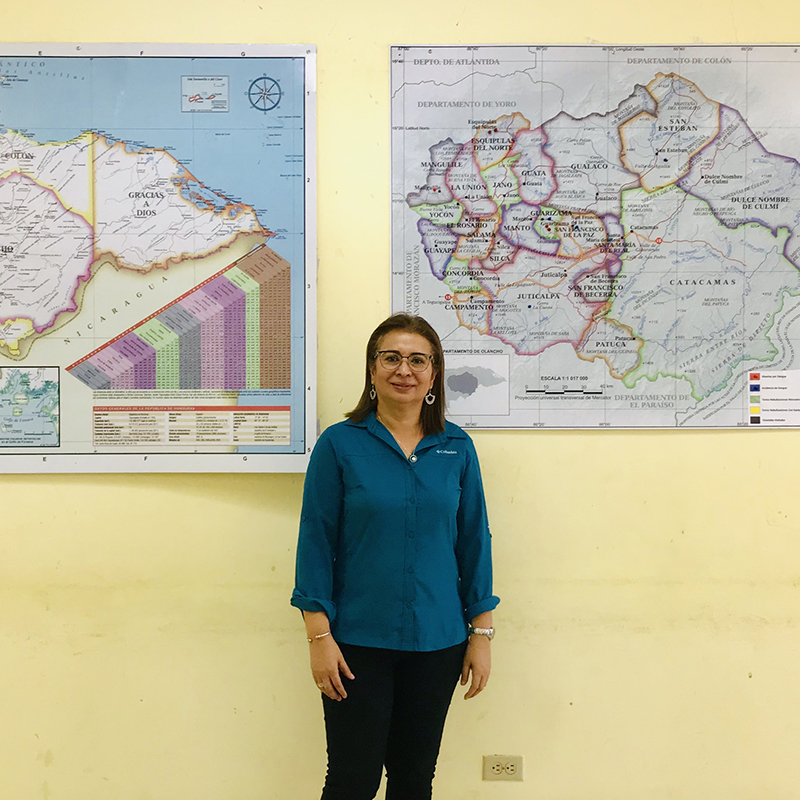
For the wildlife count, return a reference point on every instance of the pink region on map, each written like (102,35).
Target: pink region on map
(142,356)
(200,305)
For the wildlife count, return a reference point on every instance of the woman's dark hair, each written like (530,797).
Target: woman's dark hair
(432,416)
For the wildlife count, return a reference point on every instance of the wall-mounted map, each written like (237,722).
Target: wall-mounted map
(157,207)
(603,236)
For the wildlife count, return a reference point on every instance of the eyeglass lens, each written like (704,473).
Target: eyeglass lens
(391,359)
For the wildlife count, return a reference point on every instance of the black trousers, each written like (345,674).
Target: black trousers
(394,717)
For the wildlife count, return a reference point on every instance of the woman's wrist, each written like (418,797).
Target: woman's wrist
(482,627)
(476,633)
(317,625)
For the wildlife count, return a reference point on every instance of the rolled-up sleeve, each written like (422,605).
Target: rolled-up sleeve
(474,544)
(319,531)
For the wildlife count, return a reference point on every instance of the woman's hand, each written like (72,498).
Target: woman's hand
(328,666)
(478,661)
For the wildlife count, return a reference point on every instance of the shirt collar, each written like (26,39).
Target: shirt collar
(370,422)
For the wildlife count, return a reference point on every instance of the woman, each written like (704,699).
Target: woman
(394,570)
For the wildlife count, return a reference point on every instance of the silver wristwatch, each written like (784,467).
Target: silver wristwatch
(488,632)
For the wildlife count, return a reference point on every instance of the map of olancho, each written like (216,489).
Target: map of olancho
(153,254)
(602,230)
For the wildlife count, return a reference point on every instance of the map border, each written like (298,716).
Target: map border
(248,462)
(397,272)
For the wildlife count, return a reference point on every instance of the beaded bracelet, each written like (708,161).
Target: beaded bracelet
(318,636)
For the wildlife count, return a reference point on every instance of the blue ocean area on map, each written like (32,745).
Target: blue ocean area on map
(240,154)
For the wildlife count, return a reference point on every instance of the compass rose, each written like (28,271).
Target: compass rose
(264,93)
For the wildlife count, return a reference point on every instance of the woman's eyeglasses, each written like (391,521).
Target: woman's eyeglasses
(391,359)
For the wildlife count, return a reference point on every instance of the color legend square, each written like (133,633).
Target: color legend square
(773,399)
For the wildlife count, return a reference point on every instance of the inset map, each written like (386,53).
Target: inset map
(29,407)
(205,93)
(477,384)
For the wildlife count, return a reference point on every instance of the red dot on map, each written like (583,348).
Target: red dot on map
(448,297)
(659,240)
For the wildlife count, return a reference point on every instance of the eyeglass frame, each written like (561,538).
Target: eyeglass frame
(429,356)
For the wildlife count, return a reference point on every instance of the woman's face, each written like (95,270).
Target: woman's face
(401,386)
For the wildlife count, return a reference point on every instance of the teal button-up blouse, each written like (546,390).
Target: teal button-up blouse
(395,550)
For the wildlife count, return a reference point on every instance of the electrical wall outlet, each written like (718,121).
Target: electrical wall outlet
(502,768)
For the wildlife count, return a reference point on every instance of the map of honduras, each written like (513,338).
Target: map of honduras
(67,206)
(626,235)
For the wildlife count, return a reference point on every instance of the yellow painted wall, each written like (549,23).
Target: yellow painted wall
(649,624)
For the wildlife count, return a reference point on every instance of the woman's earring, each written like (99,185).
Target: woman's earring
(430,398)
(372,393)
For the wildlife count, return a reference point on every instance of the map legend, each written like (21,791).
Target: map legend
(774,399)
(230,332)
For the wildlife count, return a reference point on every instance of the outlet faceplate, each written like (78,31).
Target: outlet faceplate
(502,768)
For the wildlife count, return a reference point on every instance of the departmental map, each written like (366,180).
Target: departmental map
(157,207)
(603,236)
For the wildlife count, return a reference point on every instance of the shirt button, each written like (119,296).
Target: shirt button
(413,458)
